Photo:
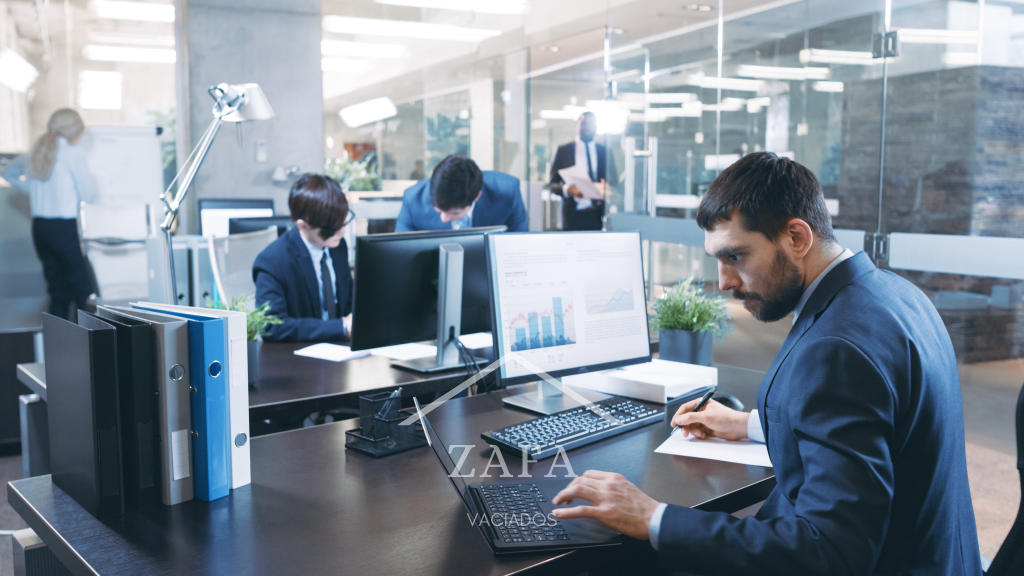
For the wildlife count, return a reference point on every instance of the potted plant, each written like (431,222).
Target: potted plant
(257,320)
(687,319)
(354,175)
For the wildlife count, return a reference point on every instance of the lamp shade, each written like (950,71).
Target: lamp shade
(252,105)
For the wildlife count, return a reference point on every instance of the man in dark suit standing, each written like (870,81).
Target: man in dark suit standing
(579,213)
(861,408)
(304,274)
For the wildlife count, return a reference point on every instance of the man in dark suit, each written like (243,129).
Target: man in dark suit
(579,213)
(458,195)
(861,407)
(304,274)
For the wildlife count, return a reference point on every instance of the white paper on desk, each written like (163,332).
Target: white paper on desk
(405,351)
(577,176)
(332,352)
(477,340)
(740,451)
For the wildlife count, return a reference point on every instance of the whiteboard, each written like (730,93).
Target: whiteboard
(126,163)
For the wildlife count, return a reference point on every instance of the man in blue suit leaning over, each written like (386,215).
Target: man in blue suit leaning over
(304,274)
(860,409)
(458,195)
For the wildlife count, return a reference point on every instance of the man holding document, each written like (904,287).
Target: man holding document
(579,175)
(861,408)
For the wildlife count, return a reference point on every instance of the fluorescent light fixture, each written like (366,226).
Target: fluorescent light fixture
(754,105)
(714,82)
(671,97)
(558,115)
(97,52)
(368,112)
(624,75)
(125,40)
(351,49)
(937,36)
(344,65)
(726,105)
(99,90)
(612,116)
(823,86)
(406,29)
(140,11)
(820,56)
(960,58)
(719,162)
(782,73)
(15,72)
(481,6)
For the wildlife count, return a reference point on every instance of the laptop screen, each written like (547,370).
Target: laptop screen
(446,460)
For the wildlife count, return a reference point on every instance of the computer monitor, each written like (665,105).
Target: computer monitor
(242,225)
(565,303)
(215,213)
(398,283)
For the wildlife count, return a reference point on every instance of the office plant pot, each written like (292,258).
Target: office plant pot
(685,346)
(254,348)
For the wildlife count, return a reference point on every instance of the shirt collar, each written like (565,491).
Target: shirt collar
(467,220)
(315,253)
(846,253)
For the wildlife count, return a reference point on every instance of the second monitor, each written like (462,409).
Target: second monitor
(398,278)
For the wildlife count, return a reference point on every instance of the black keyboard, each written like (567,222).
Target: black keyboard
(514,513)
(575,427)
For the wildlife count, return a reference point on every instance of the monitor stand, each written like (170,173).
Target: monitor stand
(449,316)
(548,398)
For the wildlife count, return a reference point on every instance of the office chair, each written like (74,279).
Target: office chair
(231,258)
(1010,557)
(118,259)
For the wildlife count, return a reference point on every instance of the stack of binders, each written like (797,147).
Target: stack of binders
(147,404)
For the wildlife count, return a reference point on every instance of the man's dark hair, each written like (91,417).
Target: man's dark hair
(455,183)
(318,200)
(767,191)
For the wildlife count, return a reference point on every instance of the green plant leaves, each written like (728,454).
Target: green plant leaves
(686,307)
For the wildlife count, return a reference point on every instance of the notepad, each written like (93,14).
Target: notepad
(405,351)
(332,352)
(740,452)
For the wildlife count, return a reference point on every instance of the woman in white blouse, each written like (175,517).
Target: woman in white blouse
(56,176)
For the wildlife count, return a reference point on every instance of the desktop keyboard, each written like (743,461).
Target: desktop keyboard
(573,428)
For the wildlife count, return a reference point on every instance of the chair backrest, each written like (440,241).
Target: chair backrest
(114,241)
(231,258)
(1010,558)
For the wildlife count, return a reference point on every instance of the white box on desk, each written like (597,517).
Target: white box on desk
(655,381)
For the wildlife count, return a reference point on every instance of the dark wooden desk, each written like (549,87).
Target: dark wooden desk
(299,385)
(315,508)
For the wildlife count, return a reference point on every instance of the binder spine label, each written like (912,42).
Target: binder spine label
(180,454)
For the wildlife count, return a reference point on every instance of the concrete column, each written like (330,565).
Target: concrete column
(275,43)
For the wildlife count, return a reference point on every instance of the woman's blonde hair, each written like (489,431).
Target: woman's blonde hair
(64,122)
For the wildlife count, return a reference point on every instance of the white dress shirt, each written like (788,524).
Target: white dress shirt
(581,160)
(69,184)
(315,254)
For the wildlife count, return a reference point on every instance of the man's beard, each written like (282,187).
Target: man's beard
(784,295)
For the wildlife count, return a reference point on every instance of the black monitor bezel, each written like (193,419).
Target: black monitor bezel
(527,378)
(484,231)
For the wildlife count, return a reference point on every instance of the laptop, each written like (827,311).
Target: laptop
(515,516)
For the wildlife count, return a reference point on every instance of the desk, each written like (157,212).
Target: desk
(314,508)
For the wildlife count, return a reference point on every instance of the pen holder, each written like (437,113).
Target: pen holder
(381,434)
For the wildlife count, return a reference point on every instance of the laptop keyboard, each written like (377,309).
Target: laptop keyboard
(516,515)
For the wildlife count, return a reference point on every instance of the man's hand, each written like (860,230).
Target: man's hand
(574,191)
(714,421)
(604,188)
(617,503)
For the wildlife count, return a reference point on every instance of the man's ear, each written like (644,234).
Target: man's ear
(800,237)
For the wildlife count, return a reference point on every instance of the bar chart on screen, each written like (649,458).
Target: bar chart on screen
(542,322)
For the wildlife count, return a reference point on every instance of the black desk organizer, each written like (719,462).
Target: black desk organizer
(381,434)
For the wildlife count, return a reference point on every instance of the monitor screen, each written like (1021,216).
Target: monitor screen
(243,225)
(215,214)
(567,303)
(396,286)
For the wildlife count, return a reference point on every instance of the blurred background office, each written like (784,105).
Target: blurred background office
(911,113)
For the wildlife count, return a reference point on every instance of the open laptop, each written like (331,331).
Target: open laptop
(515,516)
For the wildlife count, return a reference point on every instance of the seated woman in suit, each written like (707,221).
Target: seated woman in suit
(304,274)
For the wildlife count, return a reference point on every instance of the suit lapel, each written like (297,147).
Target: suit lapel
(305,264)
(837,279)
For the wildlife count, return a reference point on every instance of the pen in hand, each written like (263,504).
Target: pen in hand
(700,406)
